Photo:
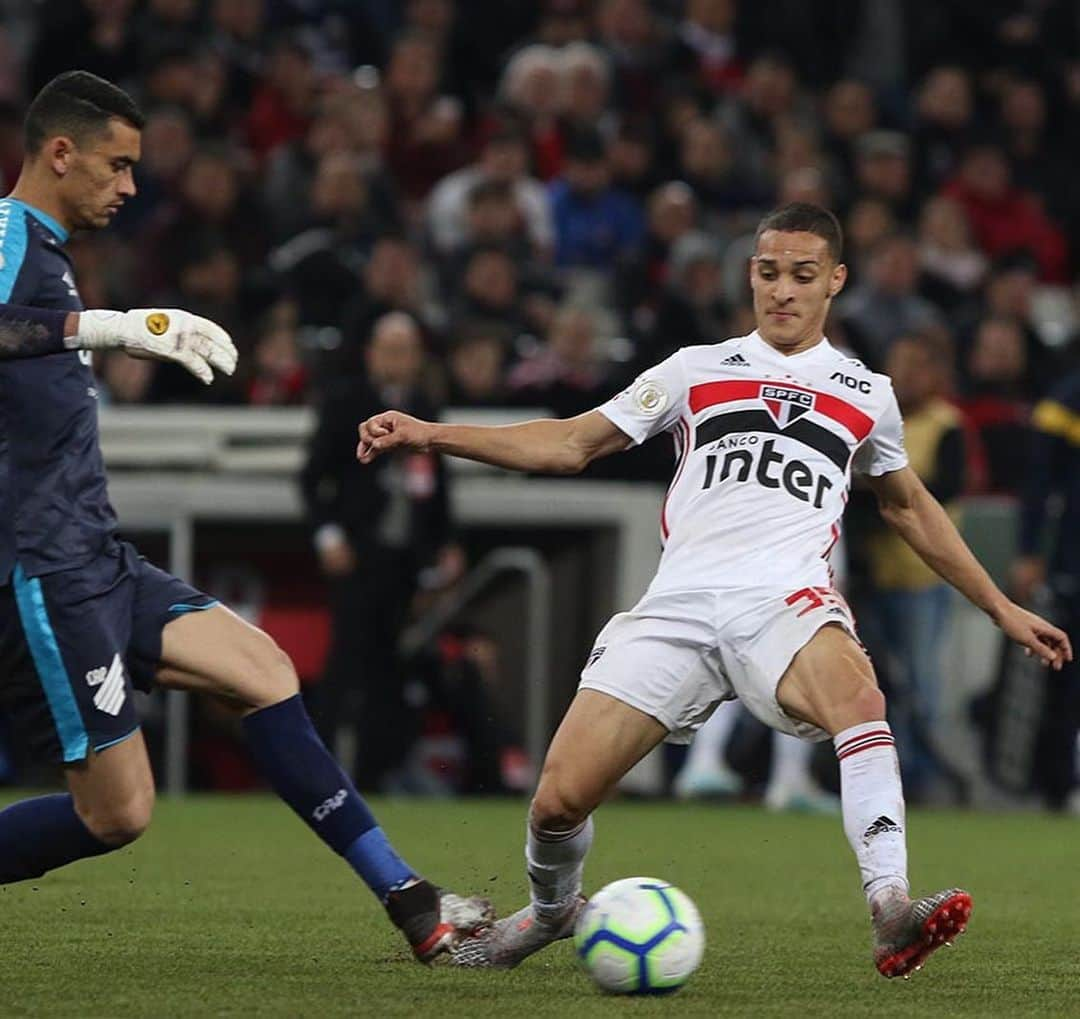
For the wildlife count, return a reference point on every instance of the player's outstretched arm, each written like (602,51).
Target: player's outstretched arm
(34,332)
(163,334)
(167,334)
(546,445)
(921,521)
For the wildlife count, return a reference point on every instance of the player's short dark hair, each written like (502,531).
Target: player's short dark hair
(804,217)
(80,105)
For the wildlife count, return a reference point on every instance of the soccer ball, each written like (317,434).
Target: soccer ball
(640,935)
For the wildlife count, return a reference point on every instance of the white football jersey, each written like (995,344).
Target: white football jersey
(765,444)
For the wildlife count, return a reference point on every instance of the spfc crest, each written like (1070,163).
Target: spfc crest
(786,405)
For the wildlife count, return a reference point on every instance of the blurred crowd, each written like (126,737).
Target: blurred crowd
(526,202)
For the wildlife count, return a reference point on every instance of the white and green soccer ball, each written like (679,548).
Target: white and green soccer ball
(640,935)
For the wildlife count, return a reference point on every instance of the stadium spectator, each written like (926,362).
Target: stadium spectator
(490,295)
(944,125)
(952,268)
(887,304)
(848,112)
(238,30)
(996,401)
(586,82)
(707,47)
(1038,163)
(632,157)
(425,140)
(211,199)
(277,375)
(348,120)
(883,171)
(869,222)
(374,533)
(693,309)
(503,159)
(708,163)
(1003,217)
(1010,293)
(177,20)
(475,368)
(770,101)
(642,277)
(564,373)
(390,280)
(322,262)
(1054,470)
(93,36)
(910,602)
(594,223)
(169,145)
(635,42)
(531,87)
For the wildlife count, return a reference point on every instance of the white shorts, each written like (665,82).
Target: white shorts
(676,656)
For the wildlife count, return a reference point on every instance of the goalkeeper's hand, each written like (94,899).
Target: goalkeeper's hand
(165,334)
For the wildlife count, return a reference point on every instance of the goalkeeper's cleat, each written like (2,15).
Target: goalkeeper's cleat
(510,941)
(433,920)
(707,783)
(907,932)
(804,798)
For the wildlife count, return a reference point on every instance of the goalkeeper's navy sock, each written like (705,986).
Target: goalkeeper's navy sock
(42,834)
(305,775)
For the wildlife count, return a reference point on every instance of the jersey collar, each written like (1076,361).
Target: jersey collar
(44,219)
(811,356)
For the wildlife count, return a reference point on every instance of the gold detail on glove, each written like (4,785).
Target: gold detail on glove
(157,323)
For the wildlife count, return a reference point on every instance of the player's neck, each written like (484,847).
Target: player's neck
(798,347)
(30,191)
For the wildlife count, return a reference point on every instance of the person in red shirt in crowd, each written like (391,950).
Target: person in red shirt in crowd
(283,104)
(1004,217)
(425,140)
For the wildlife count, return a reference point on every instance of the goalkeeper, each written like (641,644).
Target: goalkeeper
(85,620)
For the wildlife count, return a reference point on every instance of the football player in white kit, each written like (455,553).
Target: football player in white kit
(768,429)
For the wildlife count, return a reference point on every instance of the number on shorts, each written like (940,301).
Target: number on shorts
(817,597)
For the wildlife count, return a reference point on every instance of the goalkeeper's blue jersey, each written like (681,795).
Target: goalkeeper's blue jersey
(54,507)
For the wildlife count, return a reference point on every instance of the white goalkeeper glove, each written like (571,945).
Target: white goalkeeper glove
(165,334)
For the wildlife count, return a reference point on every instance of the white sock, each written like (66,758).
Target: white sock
(555,863)
(711,739)
(790,767)
(873,806)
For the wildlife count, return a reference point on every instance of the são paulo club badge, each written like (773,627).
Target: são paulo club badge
(786,405)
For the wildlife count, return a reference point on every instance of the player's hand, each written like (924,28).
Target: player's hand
(164,334)
(1038,637)
(391,430)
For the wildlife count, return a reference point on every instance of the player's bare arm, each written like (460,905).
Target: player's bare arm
(920,520)
(546,445)
(165,334)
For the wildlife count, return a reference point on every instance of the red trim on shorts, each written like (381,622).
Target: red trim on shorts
(684,432)
(709,394)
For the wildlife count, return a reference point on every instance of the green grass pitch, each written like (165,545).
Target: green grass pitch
(228,907)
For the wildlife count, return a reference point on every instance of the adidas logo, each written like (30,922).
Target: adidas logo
(596,655)
(111,694)
(882,825)
(735,359)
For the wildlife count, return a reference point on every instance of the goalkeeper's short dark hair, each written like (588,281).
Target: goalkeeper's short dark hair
(77,104)
(803,217)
